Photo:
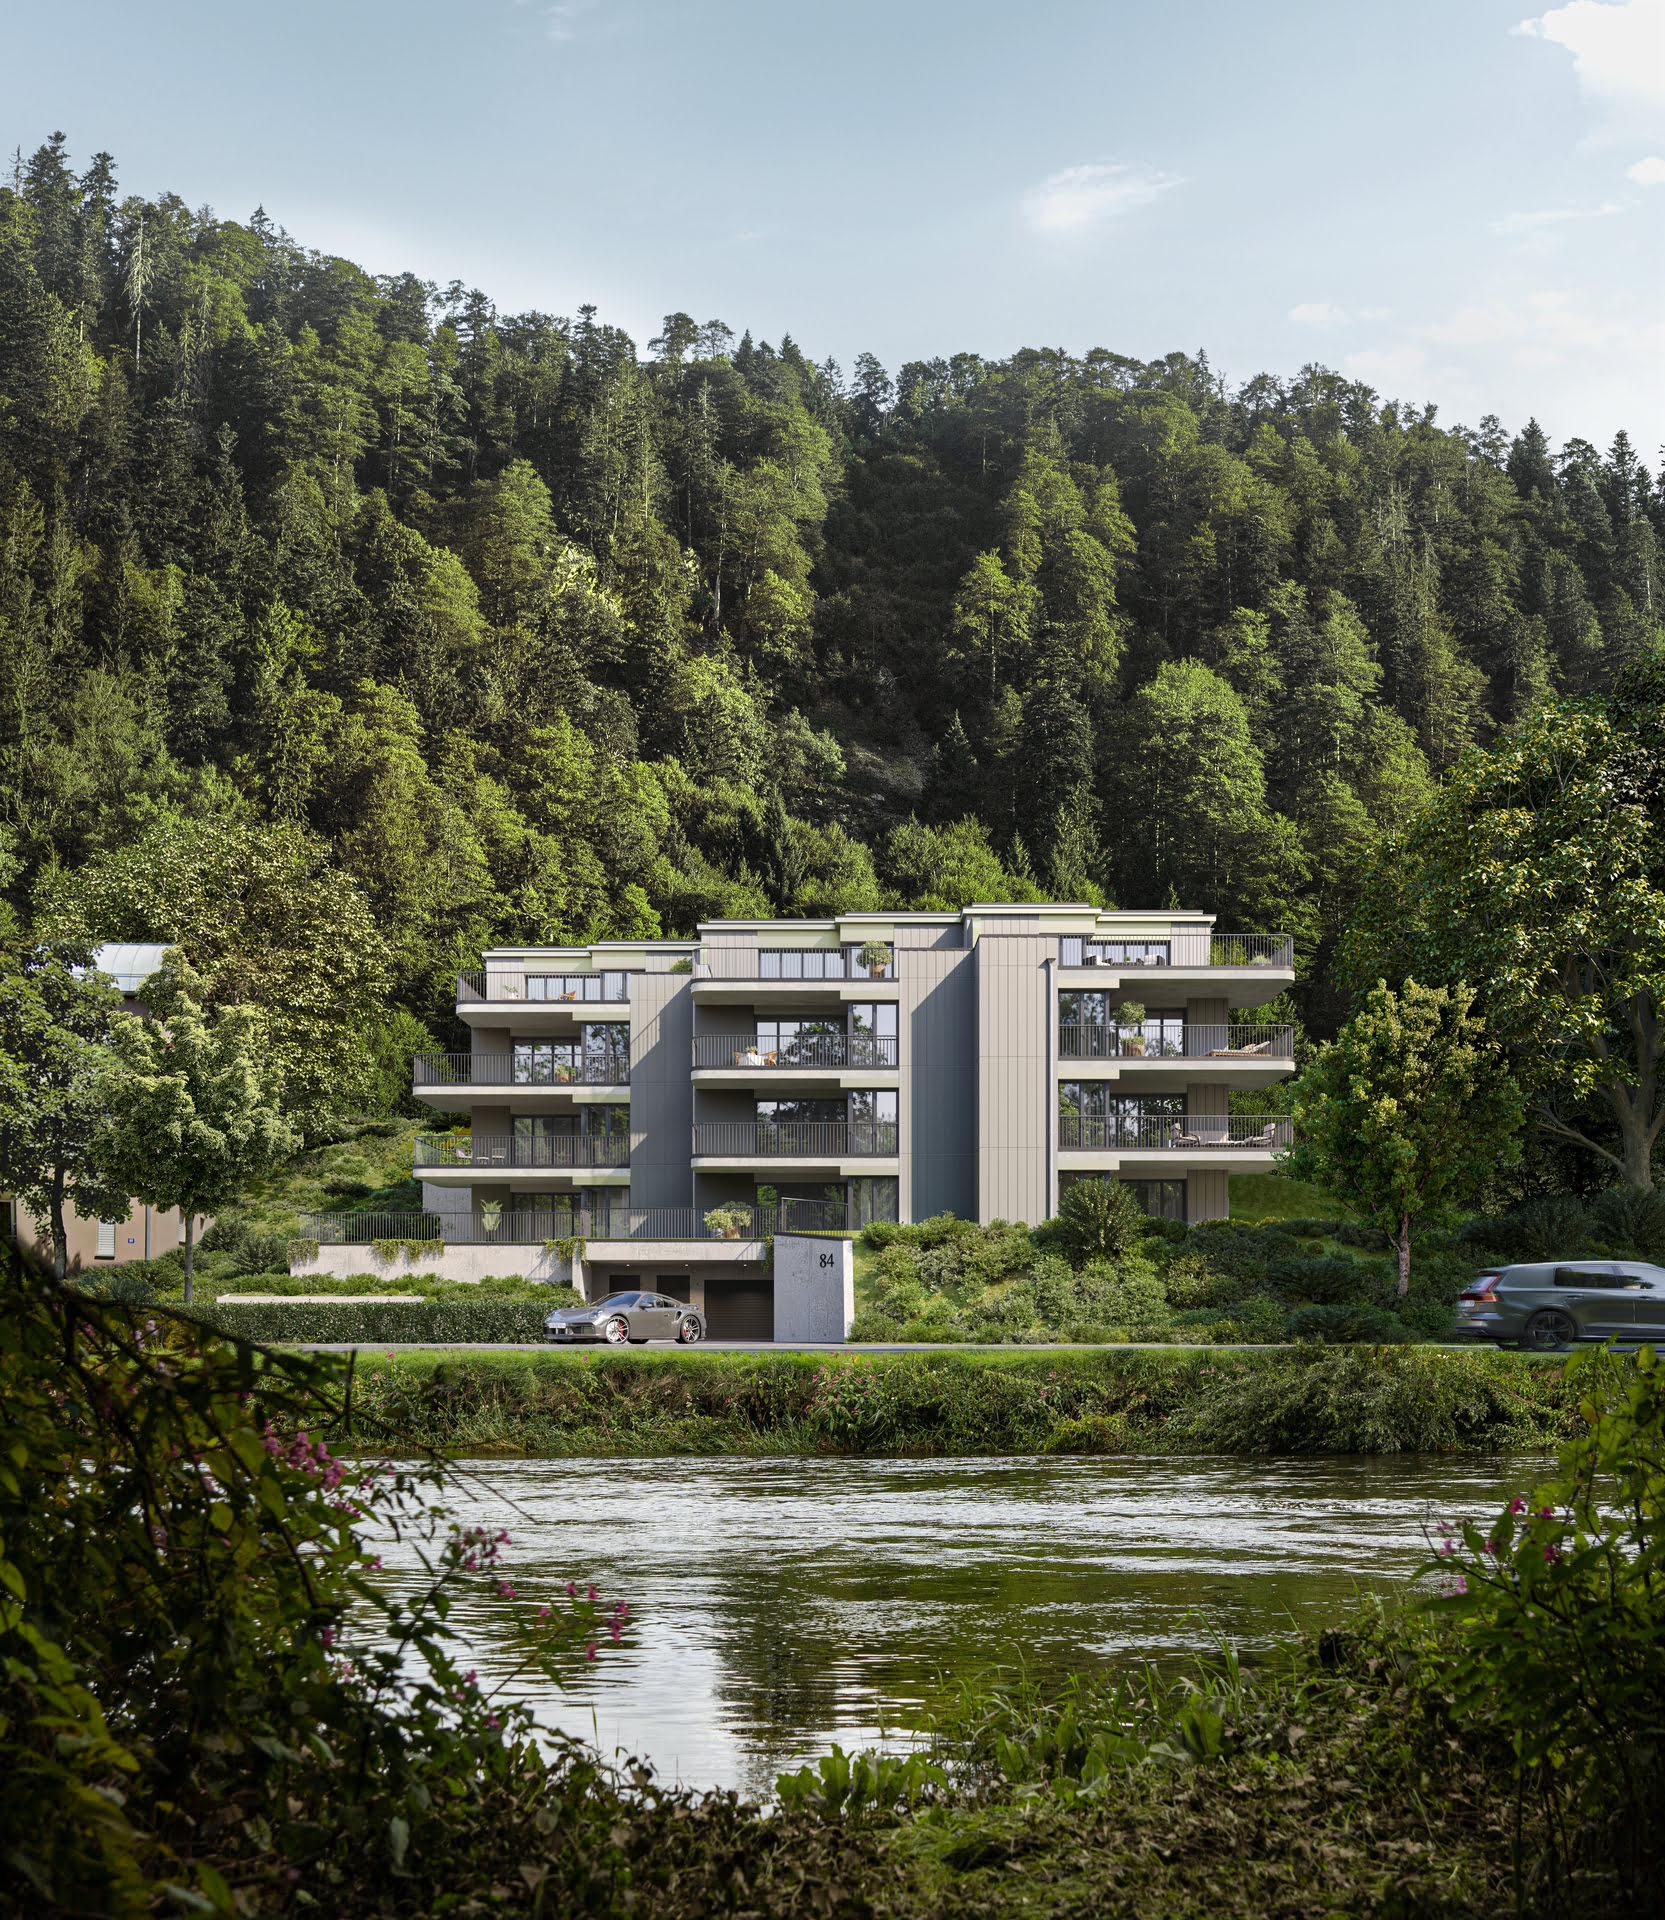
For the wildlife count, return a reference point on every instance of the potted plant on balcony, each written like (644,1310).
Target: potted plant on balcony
(1131,1013)
(729,1222)
(875,957)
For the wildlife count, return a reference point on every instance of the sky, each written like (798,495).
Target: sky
(1456,201)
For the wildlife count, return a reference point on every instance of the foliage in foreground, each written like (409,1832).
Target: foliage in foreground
(190,1725)
(1311,1400)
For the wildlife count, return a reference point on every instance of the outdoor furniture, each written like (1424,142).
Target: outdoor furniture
(751,1058)
(1240,1053)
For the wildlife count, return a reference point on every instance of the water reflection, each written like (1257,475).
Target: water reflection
(783,1604)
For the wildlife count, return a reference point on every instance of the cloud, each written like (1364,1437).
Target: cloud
(561,20)
(1647,173)
(1319,313)
(1618,51)
(1552,216)
(1396,363)
(1082,198)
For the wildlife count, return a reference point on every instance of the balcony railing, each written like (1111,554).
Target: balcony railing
(1185,947)
(523,987)
(796,1139)
(789,963)
(1086,1041)
(1192,1132)
(807,1050)
(529,1067)
(522,1150)
(523,1227)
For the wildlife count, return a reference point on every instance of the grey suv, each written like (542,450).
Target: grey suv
(1542,1307)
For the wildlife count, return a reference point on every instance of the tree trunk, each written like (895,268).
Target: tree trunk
(190,1251)
(1403,1248)
(60,1238)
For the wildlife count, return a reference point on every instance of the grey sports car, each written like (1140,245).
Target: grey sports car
(1542,1307)
(635,1318)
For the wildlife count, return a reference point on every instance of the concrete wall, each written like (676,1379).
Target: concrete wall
(1013,1118)
(937,1044)
(661,1095)
(455,1263)
(815,1287)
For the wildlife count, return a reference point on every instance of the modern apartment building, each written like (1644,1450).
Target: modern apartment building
(814,1073)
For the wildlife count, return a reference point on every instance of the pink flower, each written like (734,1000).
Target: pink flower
(589,1651)
(1517,1505)
(504,1590)
(592,1594)
(543,1611)
(328,1636)
(1461,1586)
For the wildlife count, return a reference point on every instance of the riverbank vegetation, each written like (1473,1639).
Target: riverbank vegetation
(975,1402)
(206,1706)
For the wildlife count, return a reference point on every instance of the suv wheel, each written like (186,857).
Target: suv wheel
(1547,1331)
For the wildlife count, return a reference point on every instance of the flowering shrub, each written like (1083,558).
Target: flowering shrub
(1559,1604)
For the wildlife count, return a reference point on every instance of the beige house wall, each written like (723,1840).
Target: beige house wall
(146,1234)
(1014,1121)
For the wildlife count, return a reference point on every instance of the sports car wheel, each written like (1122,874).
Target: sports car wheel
(617,1331)
(1549,1330)
(689,1331)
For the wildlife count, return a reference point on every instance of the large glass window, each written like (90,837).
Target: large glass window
(1092,1116)
(873,1120)
(1089,1028)
(876,1197)
(800,1042)
(577,986)
(873,1033)
(800,1110)
(1075,951)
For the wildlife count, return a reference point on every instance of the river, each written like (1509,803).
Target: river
(780,1605)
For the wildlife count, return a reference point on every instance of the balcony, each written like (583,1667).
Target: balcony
(1087,1041)
(522,1227)
(796,1139)
(545,1150)
(517,987)
(1191,1133)
(808,1051)
(789,963)
(528,1067)
(1187,948)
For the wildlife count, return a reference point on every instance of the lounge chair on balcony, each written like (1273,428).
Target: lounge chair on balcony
(750,1058)
(1240,1053)
(1260,1143)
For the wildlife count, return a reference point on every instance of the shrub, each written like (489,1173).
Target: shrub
(260,1253)
(874,1325)
(1544,1229)
(331,1323)
(1632,1219)
(1098,1217)
(1354,1321)
(1326,1282)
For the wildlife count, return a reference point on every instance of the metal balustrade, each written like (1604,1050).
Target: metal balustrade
(518,986)
(1186,948)
(529,1067)
(528,1227)
(797,1139)
(1191,1132)
(522,1150)
(718,962)
(1085,1040)
(807,1050)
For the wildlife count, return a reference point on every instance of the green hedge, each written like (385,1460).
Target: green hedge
(341,1323)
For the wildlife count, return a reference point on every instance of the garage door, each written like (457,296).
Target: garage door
(740,1309)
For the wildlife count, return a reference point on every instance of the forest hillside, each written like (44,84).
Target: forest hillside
(473,627)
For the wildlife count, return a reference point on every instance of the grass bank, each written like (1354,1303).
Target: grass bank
(994,1401)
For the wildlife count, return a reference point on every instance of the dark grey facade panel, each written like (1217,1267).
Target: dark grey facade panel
(939,1083)
(661,1093)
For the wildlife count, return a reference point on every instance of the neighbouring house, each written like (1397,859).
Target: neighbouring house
(147,1232)
(672,1103)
